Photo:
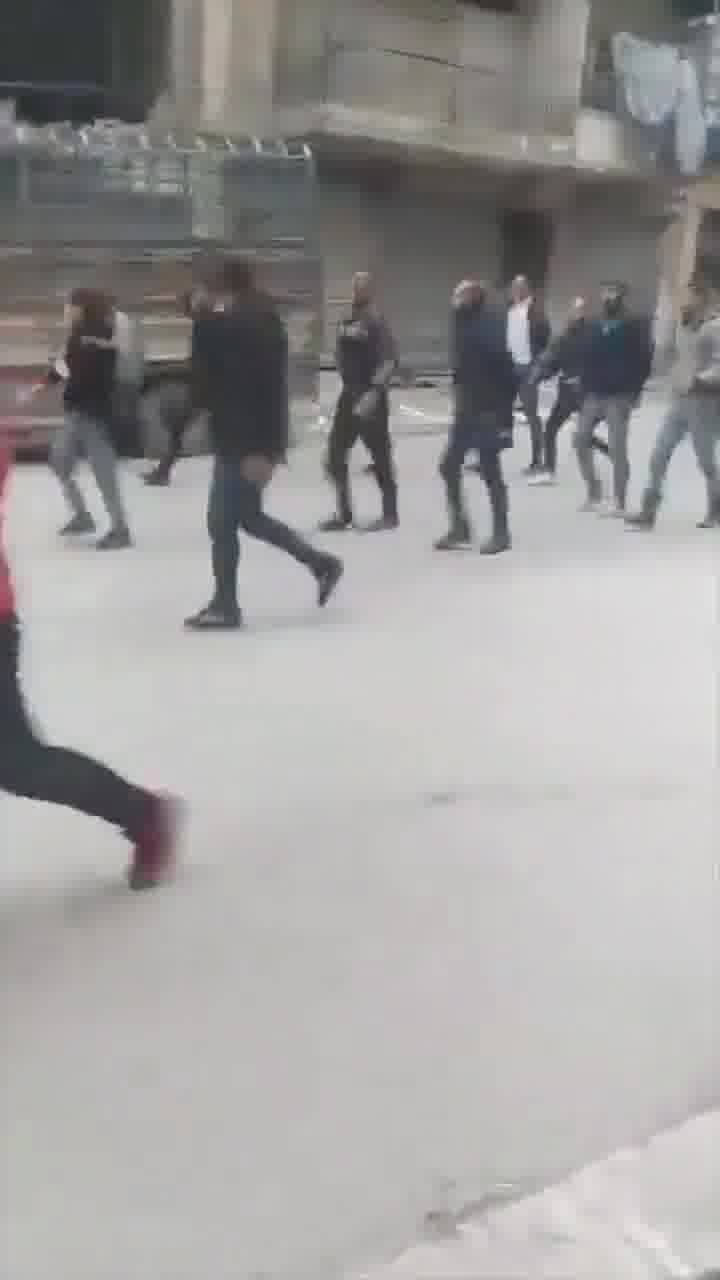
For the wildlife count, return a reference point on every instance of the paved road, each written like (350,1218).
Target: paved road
(449,913)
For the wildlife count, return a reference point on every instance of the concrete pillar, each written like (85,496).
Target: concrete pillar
(556,57)
(185,61)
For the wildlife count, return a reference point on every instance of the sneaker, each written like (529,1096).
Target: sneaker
(335,524)
(455,539)
(155,856)
(611,510)
(77,526)
(534,469)
(158,478)
(328,578)
(214,618)
(591,506)
(641,521)
(115,540)
(537,479)
(495,545)
(381,524)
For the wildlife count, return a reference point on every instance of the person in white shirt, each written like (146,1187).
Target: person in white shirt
(528,335)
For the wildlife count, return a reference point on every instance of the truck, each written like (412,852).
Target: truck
(143,216)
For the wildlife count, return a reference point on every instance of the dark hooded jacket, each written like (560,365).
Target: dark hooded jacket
(483,372)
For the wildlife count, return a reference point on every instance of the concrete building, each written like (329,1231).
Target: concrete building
(451,138)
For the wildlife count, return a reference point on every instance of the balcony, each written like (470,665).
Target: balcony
(392,100)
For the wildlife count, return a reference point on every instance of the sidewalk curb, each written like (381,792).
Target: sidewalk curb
(623,1218)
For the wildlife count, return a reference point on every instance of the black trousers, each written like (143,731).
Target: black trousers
(529,395)
(34,770)
(374,432)
(236,503)
(567,402)
(466,437)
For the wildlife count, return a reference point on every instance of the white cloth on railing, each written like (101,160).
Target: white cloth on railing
(661,87)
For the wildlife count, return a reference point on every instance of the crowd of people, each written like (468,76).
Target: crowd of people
(501,353)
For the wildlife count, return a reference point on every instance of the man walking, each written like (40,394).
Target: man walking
(694,408)
(528,334)
(616,364)
(564,359)
(485,389)
(366,360)
(240,375)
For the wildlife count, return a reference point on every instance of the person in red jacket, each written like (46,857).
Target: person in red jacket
(31,768)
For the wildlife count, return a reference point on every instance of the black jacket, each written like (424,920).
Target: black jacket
(566,355)
(483,372)
(365,350)
(91,360)
(618,356)
(239,373)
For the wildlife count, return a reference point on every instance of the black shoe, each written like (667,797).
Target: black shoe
(381,524)
(459,536)
(495,545)
(115,540)
(158,478)
(336,524)
(77,526)
(328,578)
(214,618)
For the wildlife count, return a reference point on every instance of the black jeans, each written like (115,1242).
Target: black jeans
(34,770)
(236,503)
(528,395)
(466,437)
(567,402)
(374,432)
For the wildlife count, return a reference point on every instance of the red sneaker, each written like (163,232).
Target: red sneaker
(155,854)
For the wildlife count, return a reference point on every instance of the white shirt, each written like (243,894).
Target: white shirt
(518,332)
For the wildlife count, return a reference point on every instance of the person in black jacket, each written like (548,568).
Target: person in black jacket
(88,372)
(564,360)
(240,375)
(528,335)
(366,360)
(485,389)
(616,363)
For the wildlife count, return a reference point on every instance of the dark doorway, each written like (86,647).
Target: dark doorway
(527,242)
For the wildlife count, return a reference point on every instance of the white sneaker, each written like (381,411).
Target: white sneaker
(610,510)
(541,479)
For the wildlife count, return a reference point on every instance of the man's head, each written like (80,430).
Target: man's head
(613,296)
(469,293)
(362,289)
(520,289)
(236,278)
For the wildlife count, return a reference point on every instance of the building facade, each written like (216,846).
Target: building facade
(452,138)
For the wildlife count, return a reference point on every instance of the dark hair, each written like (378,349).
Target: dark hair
(237,276)
(95,307)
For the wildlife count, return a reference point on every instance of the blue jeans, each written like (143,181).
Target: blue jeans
(236,503)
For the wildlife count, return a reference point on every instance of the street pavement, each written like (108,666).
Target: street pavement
(446,930)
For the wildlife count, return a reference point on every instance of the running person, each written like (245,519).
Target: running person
(30,768)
